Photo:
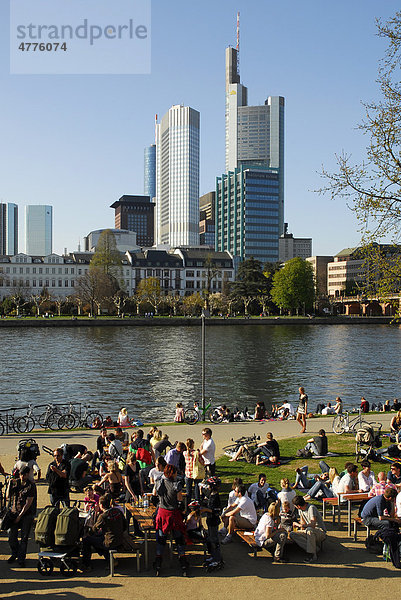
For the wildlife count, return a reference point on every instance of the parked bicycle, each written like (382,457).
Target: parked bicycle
(246,440)
(87,418)
(195,413)
(20,424)
(343,424)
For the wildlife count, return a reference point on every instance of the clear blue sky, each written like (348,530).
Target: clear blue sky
(76,142)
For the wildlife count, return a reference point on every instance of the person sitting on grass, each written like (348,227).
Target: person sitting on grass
(257,492)
(321,489)
(302,481)
(312,529)
(242,515)
(265,452)
(268,533)
(318,445)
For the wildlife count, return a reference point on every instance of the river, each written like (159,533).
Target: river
(149,369)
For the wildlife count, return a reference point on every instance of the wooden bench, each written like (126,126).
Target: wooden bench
(249,538)
(358,521)
(334,503)
(136,552)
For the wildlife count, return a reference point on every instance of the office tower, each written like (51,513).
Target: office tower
(177,177)
(136,213)
(150,171)
(38,230)
(247,213)
(207,219)
(8,229)
(254,134)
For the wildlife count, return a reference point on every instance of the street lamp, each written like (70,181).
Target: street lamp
(205,313)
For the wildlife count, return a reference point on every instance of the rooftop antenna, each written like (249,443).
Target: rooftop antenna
(79,245)
(155,126)
(238,43)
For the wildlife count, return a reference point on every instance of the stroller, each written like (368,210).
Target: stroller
(368,441)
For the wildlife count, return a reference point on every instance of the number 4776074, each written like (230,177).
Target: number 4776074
(42,46)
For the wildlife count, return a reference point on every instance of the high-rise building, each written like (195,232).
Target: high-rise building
(136,213)
(247,213)
(150,171)
(177,177)
(207,226)
(38,230)
(8,229)
(254,134)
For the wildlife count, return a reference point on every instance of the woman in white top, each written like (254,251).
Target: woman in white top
(366,477)
(286,494)
(122,419)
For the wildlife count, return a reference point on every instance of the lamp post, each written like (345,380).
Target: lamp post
(205,313)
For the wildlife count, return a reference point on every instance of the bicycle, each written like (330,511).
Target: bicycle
(193,414)
(49,418)
(20,424)
(88,418)
(232,449)
(343,424)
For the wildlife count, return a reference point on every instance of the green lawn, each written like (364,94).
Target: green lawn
(344,445)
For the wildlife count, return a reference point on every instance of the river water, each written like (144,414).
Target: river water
(149,369)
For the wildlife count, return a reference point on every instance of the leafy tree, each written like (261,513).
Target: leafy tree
(294,286)
(211,273)
(106,257)
(193,304)
(149,290)
(374,187)
(173,301)
(59,301)
(250,282)
(39,299)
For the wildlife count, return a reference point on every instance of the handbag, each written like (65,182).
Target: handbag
(7,519)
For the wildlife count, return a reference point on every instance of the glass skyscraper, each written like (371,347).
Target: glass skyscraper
(38,230)
(8,229)
(177,177)
(150,171)
(254,134)
(247,213)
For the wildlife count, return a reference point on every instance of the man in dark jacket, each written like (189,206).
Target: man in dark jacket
(57,478)
(23,498)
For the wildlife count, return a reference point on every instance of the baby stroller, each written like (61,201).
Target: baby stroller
(368,441)
(58,534)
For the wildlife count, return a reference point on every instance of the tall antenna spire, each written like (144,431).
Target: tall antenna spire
(238,42)
(155,127)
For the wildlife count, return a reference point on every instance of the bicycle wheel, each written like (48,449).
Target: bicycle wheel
(22,424)
(215,416)
(339,423)
(42,419)
(67,421)
(191,416)
(52,421)
(91,418)
(2,428)
(361,425)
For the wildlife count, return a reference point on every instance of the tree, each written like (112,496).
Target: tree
(39,299)
(374,187)
(193,304)
(120,299)
(95,287)
(294,286)
(59,301)
(173,301)
(106,257)
(211,273)
(149,290)
(249,283)
(18,295)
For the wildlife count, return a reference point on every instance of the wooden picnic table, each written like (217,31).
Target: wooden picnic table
(353,498)
(144,516)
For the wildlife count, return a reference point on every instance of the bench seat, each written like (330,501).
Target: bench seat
(249,538)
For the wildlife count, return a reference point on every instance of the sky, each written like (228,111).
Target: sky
(76,142)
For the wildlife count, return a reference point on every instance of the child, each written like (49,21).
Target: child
(194,522)
(287,517)
(212,510)
(179,413)
(91,499)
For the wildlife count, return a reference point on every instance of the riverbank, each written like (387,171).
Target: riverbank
(70,322)
(344,569)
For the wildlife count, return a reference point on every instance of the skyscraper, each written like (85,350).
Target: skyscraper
(38,230)
(177,177)
(150,171)
(254,134)
(8,229)
(136,213)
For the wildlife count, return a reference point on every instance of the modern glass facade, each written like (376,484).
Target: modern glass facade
(150,171)
(254,134)
(8,229)
(177,177)
(38,230)
(247,213)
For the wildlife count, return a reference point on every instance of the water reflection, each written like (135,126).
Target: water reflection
(149,369)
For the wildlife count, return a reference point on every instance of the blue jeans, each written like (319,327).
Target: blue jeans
(188,488)
(19,549)
(96,542)
(320,486)
(301,477)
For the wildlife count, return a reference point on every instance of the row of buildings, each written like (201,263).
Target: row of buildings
(181,271)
